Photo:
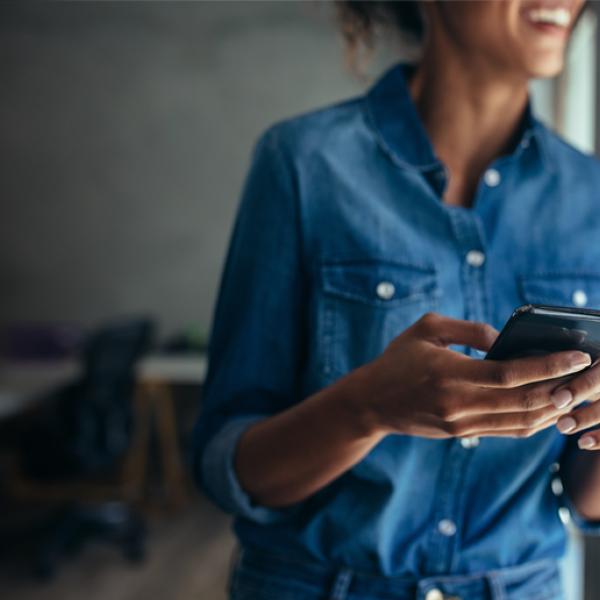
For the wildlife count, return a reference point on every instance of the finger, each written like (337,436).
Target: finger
(582,387)
(445,331)
(521,371)
(528,397)
(580,419)
(530,421)
(589,441)
(507,433)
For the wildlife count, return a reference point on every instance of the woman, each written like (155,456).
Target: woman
(348,422)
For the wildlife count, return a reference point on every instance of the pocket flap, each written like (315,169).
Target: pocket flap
(378,283)
(562,289)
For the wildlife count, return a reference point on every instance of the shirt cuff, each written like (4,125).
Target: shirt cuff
(221,482)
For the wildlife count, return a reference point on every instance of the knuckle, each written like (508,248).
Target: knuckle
(429,321)
(454,429)
(445,410)
(530,420)
(485,331)
(587,383)
(529,398)
(552,363)
(594,377)
(556,365)
(504,375)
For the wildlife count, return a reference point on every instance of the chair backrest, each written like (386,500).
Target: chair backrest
(101,410)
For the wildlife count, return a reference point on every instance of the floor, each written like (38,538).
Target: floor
(188,556)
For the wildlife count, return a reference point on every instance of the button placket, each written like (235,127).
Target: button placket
(451,496)
(450,493)
(475,258)
(447,527)
(470,237)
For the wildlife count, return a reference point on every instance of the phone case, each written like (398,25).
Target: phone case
(536,329)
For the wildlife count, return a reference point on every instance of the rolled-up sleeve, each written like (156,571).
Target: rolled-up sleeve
(256,342)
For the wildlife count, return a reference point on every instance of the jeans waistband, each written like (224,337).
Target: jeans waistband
(538,580)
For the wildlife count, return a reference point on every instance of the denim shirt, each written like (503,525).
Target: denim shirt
(341,242)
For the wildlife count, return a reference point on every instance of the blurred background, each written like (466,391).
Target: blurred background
(126,133)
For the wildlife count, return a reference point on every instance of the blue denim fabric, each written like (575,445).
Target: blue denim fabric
(258,575)
(336,202)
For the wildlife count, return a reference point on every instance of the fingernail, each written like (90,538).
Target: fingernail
(587,441)
(566,424)
(561,398)
(579,361)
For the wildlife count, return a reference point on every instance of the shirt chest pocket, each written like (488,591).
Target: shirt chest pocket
(580,290)
(363,305)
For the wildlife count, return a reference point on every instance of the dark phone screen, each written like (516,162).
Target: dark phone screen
(528,333)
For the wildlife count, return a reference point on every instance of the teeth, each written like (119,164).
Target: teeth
(554,16)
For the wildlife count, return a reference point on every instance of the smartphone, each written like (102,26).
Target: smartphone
(535,329)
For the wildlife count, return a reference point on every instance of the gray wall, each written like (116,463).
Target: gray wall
(126,131)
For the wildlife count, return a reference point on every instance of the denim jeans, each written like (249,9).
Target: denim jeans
(257,575)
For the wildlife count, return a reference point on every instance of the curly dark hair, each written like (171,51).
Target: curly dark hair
(359,19)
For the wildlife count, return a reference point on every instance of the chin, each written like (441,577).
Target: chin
(549,67)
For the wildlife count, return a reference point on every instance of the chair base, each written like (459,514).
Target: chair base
(66,535)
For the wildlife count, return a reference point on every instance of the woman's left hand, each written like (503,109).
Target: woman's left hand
(580,388)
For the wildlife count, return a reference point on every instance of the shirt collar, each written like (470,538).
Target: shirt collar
(400,132)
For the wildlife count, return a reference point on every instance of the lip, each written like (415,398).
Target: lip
(550,29)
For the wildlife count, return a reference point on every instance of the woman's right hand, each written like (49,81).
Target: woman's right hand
(418,386)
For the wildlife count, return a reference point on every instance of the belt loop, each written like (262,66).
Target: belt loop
(496,587)
(341,584)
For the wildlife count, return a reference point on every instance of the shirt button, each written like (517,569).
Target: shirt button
(385,290)
(434,594)
(492,177)
(469,442)
(475,258)
(564,514)
(447,527)
(579,298)
(557,486)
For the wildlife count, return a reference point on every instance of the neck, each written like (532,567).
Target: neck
(471,112)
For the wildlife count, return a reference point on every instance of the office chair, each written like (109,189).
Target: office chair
(81,456)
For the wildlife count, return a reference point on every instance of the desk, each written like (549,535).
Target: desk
(24,385)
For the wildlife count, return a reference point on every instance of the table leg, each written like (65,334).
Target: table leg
(136,462)
(166,427)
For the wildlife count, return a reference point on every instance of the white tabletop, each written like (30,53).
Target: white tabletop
(173,368)
(22,384)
